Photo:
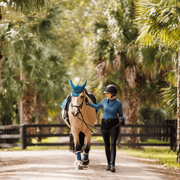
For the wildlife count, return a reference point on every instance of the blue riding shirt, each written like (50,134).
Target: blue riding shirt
(111,108)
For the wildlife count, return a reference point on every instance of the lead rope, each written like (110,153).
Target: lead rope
(88,126)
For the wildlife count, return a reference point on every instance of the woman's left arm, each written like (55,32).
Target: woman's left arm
(120,111)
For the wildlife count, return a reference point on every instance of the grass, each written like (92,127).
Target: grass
(162,156)
(155,141)
(47,140)
(38,148)
(100,139)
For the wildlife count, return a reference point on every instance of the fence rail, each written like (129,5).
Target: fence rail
(167,131)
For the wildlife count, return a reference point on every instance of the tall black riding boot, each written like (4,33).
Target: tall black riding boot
(108,156)
(113,157)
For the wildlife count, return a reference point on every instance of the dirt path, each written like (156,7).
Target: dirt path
(54,164)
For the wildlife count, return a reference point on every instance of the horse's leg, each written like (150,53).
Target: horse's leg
(77,149)
(86,149)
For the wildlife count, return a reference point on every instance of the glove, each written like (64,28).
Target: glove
(86,100)
(122,122)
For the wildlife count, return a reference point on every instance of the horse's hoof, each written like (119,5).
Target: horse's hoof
(78,164)
(85,166)
(86,162)
(79,167)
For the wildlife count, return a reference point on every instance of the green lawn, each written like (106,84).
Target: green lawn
(36,148)
(160,154)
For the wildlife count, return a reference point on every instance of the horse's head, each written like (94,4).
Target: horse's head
(77,97)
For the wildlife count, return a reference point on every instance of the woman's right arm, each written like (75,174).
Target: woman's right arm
(95,106)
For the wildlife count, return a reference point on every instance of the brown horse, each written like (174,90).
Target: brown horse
(82,119)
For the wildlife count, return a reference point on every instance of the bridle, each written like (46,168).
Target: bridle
(78,107)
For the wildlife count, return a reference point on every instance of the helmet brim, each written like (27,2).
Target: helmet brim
(106,92)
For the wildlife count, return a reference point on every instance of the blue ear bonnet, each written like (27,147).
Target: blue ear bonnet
(76,90)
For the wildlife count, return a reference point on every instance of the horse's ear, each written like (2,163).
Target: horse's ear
(83,86)
(72,85)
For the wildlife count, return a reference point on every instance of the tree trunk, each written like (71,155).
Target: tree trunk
(28,110)
(0,53)
(39,112)
(22,78)
(133,96)
(0,66)
(178,110)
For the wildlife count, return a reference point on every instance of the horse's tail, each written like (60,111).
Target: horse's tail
(81,140)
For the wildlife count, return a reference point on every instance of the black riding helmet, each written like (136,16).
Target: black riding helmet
(111,89)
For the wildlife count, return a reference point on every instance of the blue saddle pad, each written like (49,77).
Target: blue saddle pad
(64,103)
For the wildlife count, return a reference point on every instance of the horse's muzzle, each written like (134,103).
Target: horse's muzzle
(75,113)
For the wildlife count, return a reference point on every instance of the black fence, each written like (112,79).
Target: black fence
(10,135)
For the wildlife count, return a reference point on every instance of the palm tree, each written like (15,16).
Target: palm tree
(23,6)
(26,7)
(1,56)
(39,61)
(115,56)
(159,22)
(122,61)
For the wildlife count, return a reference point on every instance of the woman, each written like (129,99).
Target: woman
(109,125)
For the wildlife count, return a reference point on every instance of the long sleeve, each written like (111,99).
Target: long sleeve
(96,106)
(120,111)
(111,108)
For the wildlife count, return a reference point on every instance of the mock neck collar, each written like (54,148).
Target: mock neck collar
(111,99)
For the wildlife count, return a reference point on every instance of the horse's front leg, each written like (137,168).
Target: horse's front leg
(77,149)
(86,149)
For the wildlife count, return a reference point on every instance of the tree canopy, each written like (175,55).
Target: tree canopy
(46,43)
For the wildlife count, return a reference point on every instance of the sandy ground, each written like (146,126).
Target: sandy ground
(59,164)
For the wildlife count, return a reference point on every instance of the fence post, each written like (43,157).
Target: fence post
(167,130)
(175,135)
(171,137)
(24,137)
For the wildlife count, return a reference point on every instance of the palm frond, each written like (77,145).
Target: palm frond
(169,99)
(158,20)
(26,5)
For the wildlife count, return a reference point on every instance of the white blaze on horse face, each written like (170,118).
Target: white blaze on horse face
(77,104)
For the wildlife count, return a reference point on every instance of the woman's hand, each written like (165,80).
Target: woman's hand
(122,122)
